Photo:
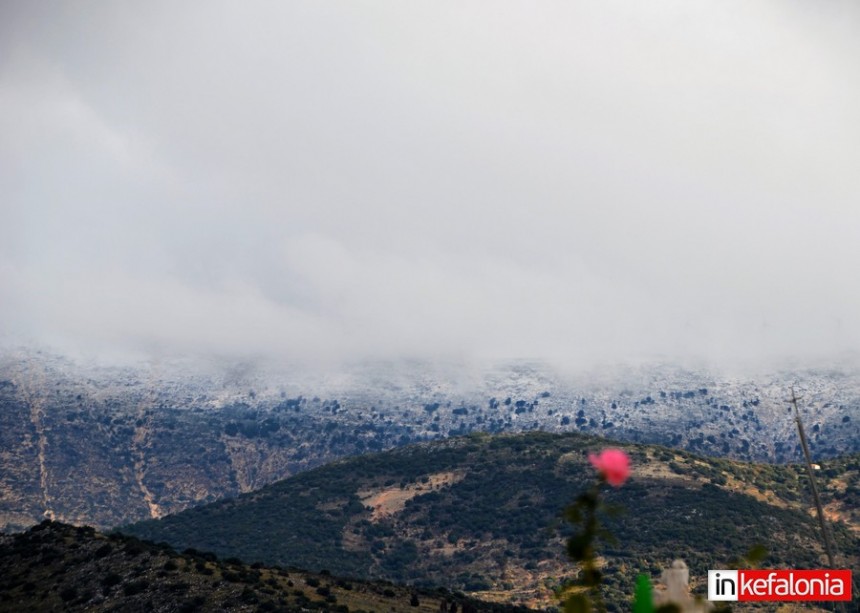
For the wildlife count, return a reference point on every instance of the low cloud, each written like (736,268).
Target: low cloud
(590,182)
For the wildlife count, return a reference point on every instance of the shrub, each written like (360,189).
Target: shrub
(110,580)
(103,551)
(68,593)
(135,587)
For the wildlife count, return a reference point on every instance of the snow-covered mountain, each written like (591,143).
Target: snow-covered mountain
(86,443)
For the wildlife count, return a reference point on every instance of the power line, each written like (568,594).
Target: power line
(828,543)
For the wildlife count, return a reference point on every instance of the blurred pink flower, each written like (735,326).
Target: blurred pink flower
(613,464)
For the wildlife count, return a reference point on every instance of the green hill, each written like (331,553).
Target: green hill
(57,567)
(481,514)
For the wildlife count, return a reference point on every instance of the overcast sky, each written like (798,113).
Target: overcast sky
(585,180)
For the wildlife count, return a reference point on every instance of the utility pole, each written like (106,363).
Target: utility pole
(825,533)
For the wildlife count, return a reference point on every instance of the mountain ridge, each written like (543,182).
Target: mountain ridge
(104,446)
(482,513)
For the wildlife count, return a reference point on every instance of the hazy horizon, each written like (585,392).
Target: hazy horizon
(585,182)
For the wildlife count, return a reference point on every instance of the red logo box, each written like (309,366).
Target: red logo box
(779,585)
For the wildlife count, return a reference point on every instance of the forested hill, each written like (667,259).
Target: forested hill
(481,514)
(58,567)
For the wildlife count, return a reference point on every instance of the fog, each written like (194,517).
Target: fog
(576,181)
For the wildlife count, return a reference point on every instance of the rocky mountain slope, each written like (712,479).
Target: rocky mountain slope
(103,446)
(482,514)
(57,567)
